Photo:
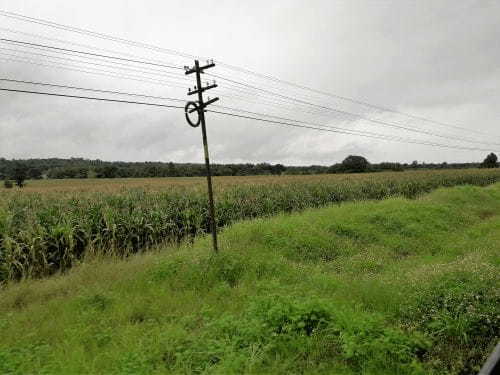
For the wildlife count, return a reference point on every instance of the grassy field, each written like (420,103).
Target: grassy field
(50,225)
(391,287)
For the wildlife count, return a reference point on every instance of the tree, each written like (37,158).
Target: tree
(109,171)
(34,173)
(172,170)
(19,174)
(491,161)
(355,163)
(7,184)
(278,169)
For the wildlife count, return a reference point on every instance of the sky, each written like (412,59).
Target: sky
(436,60)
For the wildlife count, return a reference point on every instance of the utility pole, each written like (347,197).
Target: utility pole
(199,107)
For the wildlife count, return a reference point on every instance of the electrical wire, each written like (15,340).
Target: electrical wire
(180,78)
(371,120)
(98,90)
(135,95)
(93,59)
(93,63)
(89,53)
(246,117)
(91,89)
(279,105)
(355,101)
(229,66)
(342,132)
(94,34)
(346,113)
(100,72)
(352,131)
(232,86)
(360,117)
(72,43)
(282,96)
(90,98)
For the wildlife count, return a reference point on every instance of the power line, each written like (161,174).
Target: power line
(116,63)
(136,95)
(371,120)
(84,62)
(255,93)
(354,132)
(246,117)
(229,66)
(350,131)
(72,43)
(100,72)
(347,131)
(245,90)
(344,98)
(71,53)
(93,34)
(48,23)
(286,97)
(130,69)
(147,96)
(90,53)
(308,124)
(90,98)
(90,89)
(278,105)
(255,98)
(342,132)
(379,122)
(123,93)
(236,87)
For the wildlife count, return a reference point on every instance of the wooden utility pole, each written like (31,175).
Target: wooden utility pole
(199,107)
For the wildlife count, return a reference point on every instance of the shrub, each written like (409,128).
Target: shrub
(300,331)
(462,312)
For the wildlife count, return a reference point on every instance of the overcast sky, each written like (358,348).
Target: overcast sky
(435,59)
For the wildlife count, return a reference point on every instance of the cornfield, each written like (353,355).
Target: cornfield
(50,225)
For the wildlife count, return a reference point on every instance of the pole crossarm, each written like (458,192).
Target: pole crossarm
(196,109)
(200,69)
(201,89)
(210,101)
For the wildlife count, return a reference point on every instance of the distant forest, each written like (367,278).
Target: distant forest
(55,168)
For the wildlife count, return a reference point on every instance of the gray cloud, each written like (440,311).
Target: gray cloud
(434,59)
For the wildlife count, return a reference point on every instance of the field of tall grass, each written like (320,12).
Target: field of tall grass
(51,225)
(399,286)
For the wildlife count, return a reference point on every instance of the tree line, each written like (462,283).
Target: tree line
(55,168)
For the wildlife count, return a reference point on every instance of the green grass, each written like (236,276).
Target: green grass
(391,287)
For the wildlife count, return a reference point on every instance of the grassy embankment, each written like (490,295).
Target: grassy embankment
(51,225)
(391,287)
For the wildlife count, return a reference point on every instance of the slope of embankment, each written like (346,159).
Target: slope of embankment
(389,287)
